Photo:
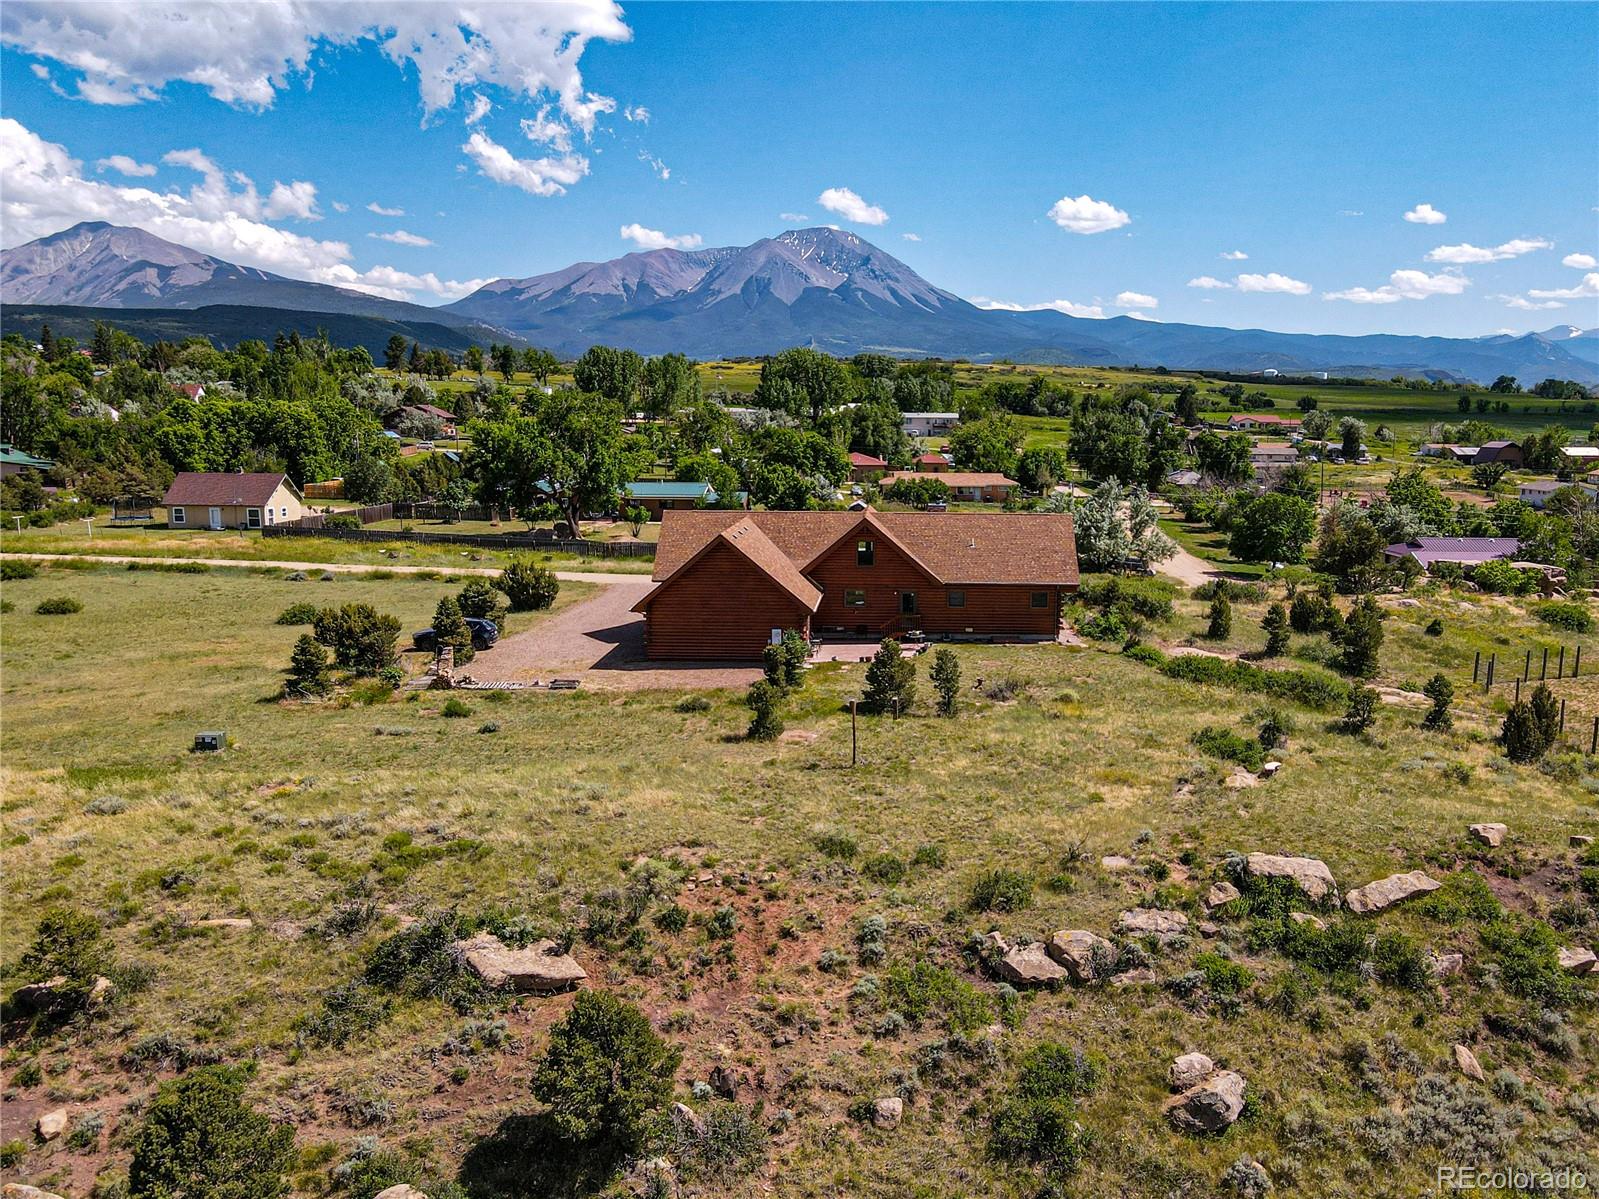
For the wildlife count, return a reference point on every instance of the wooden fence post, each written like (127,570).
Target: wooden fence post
(1488,682)
(1562,716)
(1518,691)
(1560,666)
(1543,670)
(1476,665)
(1526,667)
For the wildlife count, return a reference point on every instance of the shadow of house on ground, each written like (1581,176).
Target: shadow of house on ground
(525,1158)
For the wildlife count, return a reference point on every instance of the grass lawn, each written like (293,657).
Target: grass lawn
(392,804)
(1202,541)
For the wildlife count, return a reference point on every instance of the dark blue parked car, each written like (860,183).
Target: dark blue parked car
(484,634)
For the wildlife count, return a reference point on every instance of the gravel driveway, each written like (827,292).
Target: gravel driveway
(601,641)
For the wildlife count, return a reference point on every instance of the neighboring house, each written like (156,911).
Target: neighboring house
(727,583)
(1436,450)
(863,468)
(931,463)
(656,498)
(1261,420)
(14,461)
(1537,493)
(195,391)
(1185,478)
(1467,551)
(447,419)
(1269,456)
(1465,455)
(1582,457)
(929,424)
(1507,452)
(219,500)
(969,486)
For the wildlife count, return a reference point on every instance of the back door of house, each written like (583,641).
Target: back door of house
(216,518)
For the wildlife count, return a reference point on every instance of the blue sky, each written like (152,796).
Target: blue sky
(1100,158)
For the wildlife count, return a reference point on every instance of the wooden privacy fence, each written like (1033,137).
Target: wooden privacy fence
(578,546)
(367,516)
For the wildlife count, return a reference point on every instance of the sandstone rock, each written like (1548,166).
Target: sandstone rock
(687,1119)
(1580,841)
(18,1190)
(1134,978)
(225,923)
(1210,1105)
(401,1190)
(1152,922)
(1188,1070)
(1220,893)
(1310,875)
(1467,1061)
(1491,835)
(101,991)
(1115,862)
(724,1082)
(1030,966)
(1578,960)
(1240,779)
(52,1124)
(887,1112)
(1386,892)
(1315,922)
(1445,965)
(1074,949)
(538,969)
(1208,928)
(36,996)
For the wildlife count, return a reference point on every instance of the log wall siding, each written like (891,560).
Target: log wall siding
(722,609)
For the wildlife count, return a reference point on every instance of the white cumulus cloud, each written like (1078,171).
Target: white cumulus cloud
(654,239)
(481,107)
(847,204)
(547,130)
(1466,254)
(1135,299)
(1404,285)
(548,176)
(223,214)
(1208,282)
(401,238)
(374,206)
(243,54)
(1087,215)
(1583,262)
(1091,311)
(1272,281)
(1234,255)
(124,165)
(637,112)
(1588,288)
(1522,304)
(1425,214)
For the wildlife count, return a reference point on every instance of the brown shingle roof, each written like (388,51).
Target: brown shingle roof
(956,547)
(745,537)
(219,488)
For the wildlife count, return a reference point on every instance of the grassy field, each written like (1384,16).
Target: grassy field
(311,806)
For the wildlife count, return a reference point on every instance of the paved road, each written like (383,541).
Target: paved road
(603,578)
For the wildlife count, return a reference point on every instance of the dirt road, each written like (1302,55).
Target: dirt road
(604,578)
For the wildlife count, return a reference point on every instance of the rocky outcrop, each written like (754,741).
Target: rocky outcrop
(402,1190)
(687,1120)
(539,969)
(1074,949)
(51,1124)
(1491,835)
(1210,1105)
(1219,894)
(1386,892)
(1029,966)
(887,1112)
(1310,875)
(1576,960)
(19,1190)
(1189,1070)
(1315,922)
(1152,922)
(1466,1061)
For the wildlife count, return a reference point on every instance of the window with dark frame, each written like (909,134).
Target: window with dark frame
(854,597)
(863,553)
(1040,599)
(955,599)
(175,516)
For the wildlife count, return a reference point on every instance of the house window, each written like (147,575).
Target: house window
(907,603)
(854,597)
(1040,599)
(252,518)
(955,599)
(863,553)
(175,516)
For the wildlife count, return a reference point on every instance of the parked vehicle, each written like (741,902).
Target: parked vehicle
(484,634)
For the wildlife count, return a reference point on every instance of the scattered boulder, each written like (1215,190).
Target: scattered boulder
(1580,841)
(687,1119)
(1152,922)
(1491,835)
(1468,1064)
(101,991)
(1310,875)
(1030,966)
(19,1190)
(724,1082)
(1315,922)
(1074,949)
(1208,928)
(52,1124)
(1240,779)
(35,997)
(1189,1069)
(1135,978)
(1210,1105)
(1386,892)
(539,969)
(1115,863)
(887,1112)
(1445,965)
(1578,960)
(1219,894)
(401,1190)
